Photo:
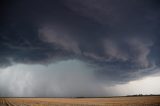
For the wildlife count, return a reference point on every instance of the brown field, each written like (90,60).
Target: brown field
(115,101)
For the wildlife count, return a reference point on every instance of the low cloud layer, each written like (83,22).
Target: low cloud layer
(119,39)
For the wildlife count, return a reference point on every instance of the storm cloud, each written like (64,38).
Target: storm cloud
(118,38)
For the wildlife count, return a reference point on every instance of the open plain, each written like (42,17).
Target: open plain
(114,101)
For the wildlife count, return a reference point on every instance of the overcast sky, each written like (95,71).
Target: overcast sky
(79,48)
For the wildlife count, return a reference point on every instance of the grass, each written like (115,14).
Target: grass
(114,101)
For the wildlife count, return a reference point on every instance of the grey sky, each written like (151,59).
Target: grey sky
(65,48)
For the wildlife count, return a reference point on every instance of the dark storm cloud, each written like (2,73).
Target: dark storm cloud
(119,37)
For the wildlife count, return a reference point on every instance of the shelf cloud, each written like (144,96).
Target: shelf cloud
(118,39)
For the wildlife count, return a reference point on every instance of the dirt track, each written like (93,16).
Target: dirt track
(5,102)
(121,101)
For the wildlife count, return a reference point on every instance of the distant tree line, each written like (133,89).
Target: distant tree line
(144,95)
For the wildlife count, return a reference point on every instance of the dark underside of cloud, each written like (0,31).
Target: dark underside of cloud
(120,38)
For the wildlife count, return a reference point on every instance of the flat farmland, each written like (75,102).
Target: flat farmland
(114,101)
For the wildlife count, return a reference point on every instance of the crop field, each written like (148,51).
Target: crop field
(115,101)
